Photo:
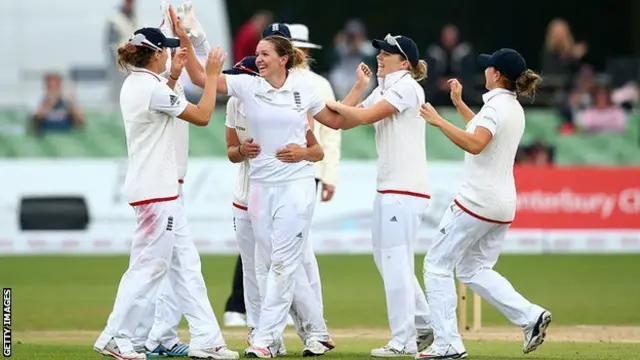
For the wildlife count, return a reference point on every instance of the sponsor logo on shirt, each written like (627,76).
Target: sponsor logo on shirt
(263,97)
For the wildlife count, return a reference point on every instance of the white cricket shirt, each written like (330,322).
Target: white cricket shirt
(489,191)
(277,117)
(400,138)
(329,139)
(236,120)
(149,109)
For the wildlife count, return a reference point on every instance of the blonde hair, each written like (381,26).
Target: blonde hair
(419,72)
(567,44)
(284,47)
(131,55)
(525,85)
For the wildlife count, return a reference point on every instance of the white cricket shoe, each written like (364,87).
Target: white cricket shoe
(234,319)
(449,353)
(112,350)
(425,339)
(218,353)
(390,352)
(535,333)
(281,349)
(258,353)
(315,348)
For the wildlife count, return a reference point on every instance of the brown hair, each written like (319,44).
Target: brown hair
(131,55)
(525,85)
(283,46)
(419,72)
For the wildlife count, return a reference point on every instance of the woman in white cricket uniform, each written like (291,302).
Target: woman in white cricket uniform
(403,189)
(474,226)
(149,109)
(240,148)
(158,334)
(281,195)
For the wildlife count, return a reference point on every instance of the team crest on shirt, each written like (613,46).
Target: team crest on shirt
(297,100)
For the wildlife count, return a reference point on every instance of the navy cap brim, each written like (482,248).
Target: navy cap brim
(172,43)
(234,71)
(385,46)
(485,61)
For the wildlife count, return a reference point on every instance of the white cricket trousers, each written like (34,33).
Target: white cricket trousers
(396,221)
(470,246)
(162,248)
(280,216)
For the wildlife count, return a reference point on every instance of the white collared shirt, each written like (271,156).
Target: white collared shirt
(149,109)
(236,120)
(400,139)
(329,139)
(489,190)
(277,117)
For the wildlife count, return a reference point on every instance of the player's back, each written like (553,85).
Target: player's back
(489,187)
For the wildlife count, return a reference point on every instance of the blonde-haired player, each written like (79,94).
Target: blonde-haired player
(474,226)
(403,188)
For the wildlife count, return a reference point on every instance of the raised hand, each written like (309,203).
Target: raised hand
(178,29)
(455,90)
(363,74)
(178,61)
(215,61)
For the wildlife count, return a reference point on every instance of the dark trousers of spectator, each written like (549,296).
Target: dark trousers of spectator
(235,302)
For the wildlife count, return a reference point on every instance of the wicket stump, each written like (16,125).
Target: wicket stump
(463,324)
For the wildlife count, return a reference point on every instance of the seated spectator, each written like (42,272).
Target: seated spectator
(578,99)
(448,59)
(535,154)
(561,55)
(56,112)
(603,115)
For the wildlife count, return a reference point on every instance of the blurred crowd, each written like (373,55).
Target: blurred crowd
(585,100)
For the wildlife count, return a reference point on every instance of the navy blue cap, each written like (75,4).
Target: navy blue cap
(507,61)
(245,66)
(277,29)
(405,47)
(154,37)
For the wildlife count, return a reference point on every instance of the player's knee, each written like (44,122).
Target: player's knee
(438,264)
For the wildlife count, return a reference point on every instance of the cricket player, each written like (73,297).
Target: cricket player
(158,334)
(474,226)
(403,189)
(150,108)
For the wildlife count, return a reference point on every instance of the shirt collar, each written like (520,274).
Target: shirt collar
(388,81)
(492,93)
(287,86)
(143,70)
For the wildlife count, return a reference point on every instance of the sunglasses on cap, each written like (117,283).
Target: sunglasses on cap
(391,40)
(141,40)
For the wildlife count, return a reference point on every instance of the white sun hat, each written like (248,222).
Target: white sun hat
(300,36)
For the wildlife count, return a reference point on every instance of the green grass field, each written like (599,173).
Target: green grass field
(61,303)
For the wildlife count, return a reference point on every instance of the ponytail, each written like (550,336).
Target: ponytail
(419,72)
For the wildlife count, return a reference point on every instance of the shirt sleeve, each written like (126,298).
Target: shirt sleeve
(239,85)
(401,95)
(488,118)
(316,102)
(368,102)
(167,101)
(230,116)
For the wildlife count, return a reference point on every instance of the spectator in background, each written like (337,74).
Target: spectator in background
(535,154)
(120,26)
(249,35)
(561,55)
(56,112)
(351,47)
(603,115)
(578,99)
(448,59)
